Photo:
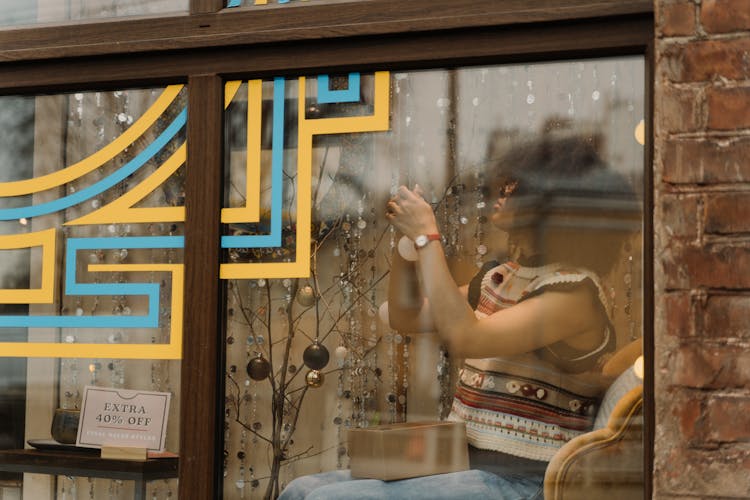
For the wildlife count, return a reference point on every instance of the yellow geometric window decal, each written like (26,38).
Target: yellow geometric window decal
(97,159)
(251,211)
(120,210)
(307,129)
(123,209)
(46,293)
(171,350)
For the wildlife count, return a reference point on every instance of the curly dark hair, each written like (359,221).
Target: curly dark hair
(578,210)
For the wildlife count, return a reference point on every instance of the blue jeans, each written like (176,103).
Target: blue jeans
(464,485)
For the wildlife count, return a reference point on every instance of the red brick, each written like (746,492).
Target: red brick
(726,316)
(680,110)
(728,419)
(711,367)
(680,216)
(704,161)
(691,421)
(711,266)
(682,160)
(727,213)
(706,60)
(677,19)
(715,473)
(687,408)
(724,16)
(728,108)
(678,312)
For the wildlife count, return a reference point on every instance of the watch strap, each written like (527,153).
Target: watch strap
(429,238)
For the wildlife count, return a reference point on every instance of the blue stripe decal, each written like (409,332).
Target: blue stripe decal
(121,174)
(151,320)
(327,96)
(272,240)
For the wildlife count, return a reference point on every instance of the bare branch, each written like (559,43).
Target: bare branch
(289,461)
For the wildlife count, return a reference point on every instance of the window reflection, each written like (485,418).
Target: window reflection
(17,13)
(91,215)
(555,145)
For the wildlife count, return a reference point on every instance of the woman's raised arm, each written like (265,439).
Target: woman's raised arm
(408,311)
(539,321)
(529,325)
(408,308)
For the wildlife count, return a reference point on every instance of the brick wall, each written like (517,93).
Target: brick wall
(702,248)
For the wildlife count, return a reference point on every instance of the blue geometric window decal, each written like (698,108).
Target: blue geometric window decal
(327,96)
(273,239)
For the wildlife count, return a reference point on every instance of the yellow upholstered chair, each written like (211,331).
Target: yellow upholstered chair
(607,462)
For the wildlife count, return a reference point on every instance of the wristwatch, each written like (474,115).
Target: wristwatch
(423,239)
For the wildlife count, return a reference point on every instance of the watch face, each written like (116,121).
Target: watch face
(421,240)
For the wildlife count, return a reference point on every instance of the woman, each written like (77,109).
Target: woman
(533,330)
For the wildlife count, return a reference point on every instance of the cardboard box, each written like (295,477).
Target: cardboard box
(410,449)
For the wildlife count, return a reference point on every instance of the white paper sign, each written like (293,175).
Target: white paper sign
(120,417)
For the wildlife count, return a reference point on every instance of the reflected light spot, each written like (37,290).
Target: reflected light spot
(640,133)
(638,367)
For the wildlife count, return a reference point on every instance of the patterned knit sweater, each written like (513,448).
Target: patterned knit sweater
(530,405)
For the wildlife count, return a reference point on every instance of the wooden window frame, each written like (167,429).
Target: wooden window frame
(209,44)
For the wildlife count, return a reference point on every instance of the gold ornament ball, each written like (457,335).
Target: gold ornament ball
(306,296)
(314,378)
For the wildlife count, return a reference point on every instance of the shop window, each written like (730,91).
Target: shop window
(242,3)
(316,343)
(18,13)
(92,215)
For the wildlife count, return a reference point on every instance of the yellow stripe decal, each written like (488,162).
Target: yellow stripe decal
(95,160)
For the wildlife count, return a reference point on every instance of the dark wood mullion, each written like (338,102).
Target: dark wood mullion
(649,411)
(202,368)
(613,36)
(205,6)
(293,22)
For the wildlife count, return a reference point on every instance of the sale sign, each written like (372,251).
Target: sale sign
(125,418)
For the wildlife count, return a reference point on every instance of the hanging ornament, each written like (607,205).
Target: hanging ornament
(258,368)
(407,250)
(383,313)
(341,353)
(316,356)
(306,296)
(314,378)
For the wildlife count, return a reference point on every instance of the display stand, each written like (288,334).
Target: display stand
(123,453)
(62,463)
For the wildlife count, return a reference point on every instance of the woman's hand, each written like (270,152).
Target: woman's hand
(410,214)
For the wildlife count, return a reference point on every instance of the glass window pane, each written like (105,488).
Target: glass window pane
(18,13)
(91,235)
(244,3)
(530,178)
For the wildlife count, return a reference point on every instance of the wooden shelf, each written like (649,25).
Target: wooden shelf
(66,463)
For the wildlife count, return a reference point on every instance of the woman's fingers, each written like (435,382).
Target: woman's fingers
(410,213)
(404,193)
(405,203)
(393,208)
